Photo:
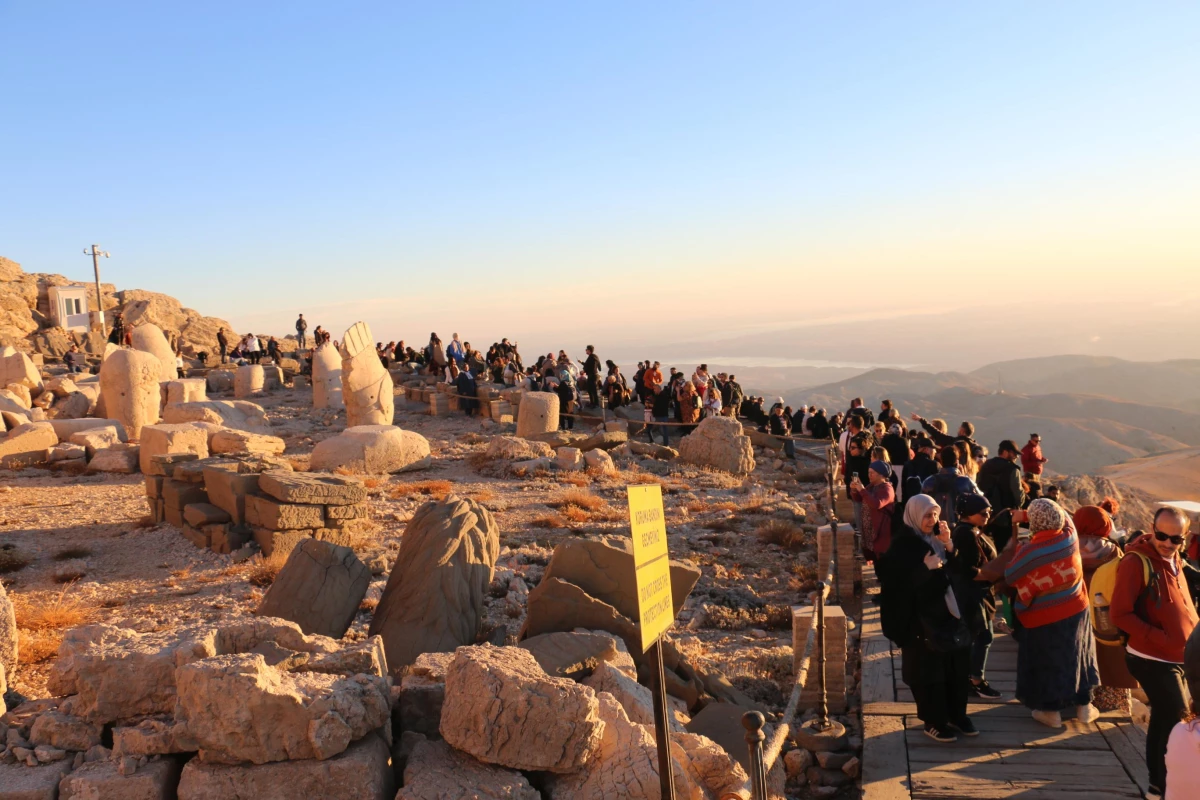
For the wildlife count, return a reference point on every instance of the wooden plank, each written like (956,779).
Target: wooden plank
(1022,723)
(877,679)
(1066,740)
(885,759)
(974,710)
(1131,758)
(936,754)
(1066,771)
(949,786)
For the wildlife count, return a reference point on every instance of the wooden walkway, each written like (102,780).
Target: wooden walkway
(1013,757)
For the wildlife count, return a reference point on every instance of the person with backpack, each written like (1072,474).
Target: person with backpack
(1000,481)
(1056,662)
(1153,606)
(567,398)
(973,550)
(921,614)
(948,484)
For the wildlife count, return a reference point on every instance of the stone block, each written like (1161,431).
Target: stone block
(282,542)
(196,536)
(121,458)
(248,381)
(27,445)
(233,441)
(167,463)
(538,414)
(19,782)
(95,439)
(304,487)
(165,439)
(227,538)
(228,490)
(436,771)
(835,656)
(266,512)
(319,588)
(102,780)
(362,772)
(178,494)
(200,514)
(154,484)
(342,513)
(187,390)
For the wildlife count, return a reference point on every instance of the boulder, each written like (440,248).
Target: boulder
(60,386)
(65,732)
(187,390)
(16,367)
(9,641)
(149,338)
(599,460)
(372,449)
(537,414)
(74,406)
(237,414)
(436,771)
(433,601)
(718,442)
(234,441)
(423,692)
(503,709)
(237,708)
(555,605)
(710,765)
(121,458)
(248,381)
(129,384)
(511,448)
(103,780)
(604,440)
(625,764)
(307,487)
(367,388)
(327,377)
(319,588)
(18,393)
(362,772)
(160,440)
(607,573)
(659,451)
(26,445)
(633,697)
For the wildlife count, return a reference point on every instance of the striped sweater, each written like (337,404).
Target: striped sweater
(1047,574)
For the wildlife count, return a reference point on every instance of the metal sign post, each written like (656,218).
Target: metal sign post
(656,609)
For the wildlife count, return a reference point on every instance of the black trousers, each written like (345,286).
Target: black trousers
(593,386)
(938,682)
(1164,687)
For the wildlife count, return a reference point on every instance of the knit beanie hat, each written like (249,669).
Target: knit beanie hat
(883,468)
(1046,515)
(971,504)
(1093,521)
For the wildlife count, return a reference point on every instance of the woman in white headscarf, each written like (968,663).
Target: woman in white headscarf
(921,614)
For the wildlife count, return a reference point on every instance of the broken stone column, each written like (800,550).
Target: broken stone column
(538,413)
(187,390)
(149,338)
(327,377)
(248,381)
(433,601)
(366,386)
(319,588)
(129,385)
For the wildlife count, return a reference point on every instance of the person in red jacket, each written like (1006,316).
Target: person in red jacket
(1158,617)
(1032,460)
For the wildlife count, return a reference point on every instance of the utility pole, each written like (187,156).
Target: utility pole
(95,253)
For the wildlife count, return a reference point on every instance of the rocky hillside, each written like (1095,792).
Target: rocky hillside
(25,318)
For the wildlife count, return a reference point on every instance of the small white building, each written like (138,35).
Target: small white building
(69,307)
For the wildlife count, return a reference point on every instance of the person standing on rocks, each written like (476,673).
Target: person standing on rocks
(591,372)
(117,334)
(1032,460)
(223,344)
(661,411)
(302,332)
(1158,616)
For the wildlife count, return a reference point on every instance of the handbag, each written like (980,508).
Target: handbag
(941,640)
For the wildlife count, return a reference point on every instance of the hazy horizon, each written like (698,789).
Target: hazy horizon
(931,185)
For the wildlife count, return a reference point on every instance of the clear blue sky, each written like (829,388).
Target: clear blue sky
(532,169)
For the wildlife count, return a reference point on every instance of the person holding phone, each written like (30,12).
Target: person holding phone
(878,500)
(921,614)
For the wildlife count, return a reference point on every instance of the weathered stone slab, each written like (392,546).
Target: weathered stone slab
(423,692)
(719,442)
(267,513)
(19,782)
(437,771)
(241,415)
(166,439)
(607,573)
(228,490)
(121,458)
(27,445)
(304,487)
(102,780)
(319,588)
(571,655)
(187,390)
(200,514)
(234,441)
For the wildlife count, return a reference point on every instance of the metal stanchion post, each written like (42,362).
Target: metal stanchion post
(823,701)
(753,722)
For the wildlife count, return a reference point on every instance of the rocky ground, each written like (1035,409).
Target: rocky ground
(79,549)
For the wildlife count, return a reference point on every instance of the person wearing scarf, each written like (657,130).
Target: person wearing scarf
(1056,662)
(878,499)
(921,612)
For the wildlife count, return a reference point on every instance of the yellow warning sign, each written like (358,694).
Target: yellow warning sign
(656,609)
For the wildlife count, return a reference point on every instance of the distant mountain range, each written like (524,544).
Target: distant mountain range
(1092,412)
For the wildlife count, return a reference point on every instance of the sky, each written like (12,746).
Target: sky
(834,182)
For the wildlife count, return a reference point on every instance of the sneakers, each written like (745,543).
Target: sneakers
(939,735)
(1088,713)
(1051,719)
(982,689)
(965,727)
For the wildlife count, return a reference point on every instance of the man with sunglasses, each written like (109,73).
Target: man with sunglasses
(1158,617)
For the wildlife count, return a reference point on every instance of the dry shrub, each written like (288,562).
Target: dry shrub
(724,505)
(697,506)
(770,617)
(38,647)
(549,521)
(435,489)
(484,496)
(72,552)
(804,578)
(69,574)
(574,479)
(266,570)
(299,463)
(64,612)
(371,483)
(722,524)
(783,533)
(575,514)
(581,498)
(368,604)
(12,559)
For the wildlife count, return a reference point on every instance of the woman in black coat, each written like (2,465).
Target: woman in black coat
(920,612)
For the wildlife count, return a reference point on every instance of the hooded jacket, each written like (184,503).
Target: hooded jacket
(1157,620)
(1000,481)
